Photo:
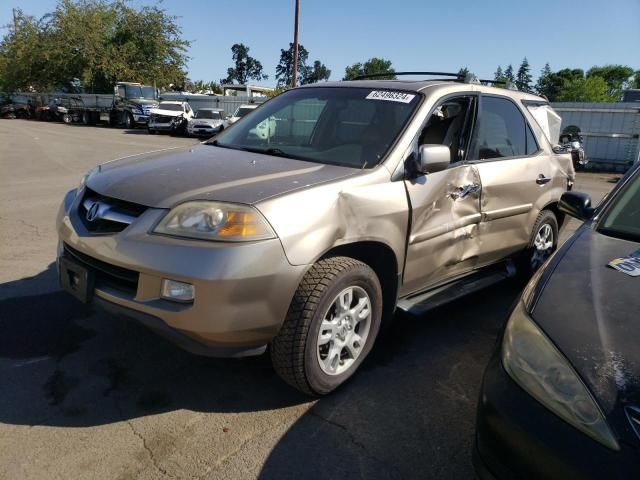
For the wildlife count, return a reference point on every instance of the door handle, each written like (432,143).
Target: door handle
(542,180)
(462,192)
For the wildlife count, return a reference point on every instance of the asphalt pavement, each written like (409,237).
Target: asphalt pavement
(84,395)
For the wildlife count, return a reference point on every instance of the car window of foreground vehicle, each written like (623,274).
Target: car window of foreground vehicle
(352,127)
(622,218)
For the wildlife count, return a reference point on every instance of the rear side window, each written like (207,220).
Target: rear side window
(501,132)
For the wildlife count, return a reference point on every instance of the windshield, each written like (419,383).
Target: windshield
(208,114)
(352,127)
(242,111)
(174,107)
(137,91)
(623,215)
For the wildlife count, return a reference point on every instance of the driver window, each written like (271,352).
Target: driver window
(446,125)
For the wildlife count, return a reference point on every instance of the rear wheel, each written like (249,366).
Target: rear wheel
(544,241)
(67,118)
(331,325)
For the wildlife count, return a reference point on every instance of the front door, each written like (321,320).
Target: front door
(445,205)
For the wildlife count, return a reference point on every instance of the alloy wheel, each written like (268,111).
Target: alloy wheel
(344,330)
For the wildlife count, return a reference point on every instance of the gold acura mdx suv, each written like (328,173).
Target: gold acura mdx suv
(359,198)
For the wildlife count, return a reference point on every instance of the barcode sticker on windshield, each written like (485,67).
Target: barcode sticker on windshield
(629,265)
(390,96)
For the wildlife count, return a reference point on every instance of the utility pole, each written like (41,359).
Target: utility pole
(15,22)
(295,46)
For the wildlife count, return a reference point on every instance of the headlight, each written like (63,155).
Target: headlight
(215,221)
(534,362)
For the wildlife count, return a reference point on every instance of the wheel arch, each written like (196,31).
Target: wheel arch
(560,217)
(382,259)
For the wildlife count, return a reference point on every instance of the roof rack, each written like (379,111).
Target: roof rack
(459,77)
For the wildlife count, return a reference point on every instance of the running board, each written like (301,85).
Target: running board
(436,297)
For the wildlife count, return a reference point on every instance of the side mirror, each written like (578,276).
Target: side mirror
(434,158)
(576,204)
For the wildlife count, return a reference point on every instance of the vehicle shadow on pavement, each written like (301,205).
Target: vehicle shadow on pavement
(410,412)
(64,364)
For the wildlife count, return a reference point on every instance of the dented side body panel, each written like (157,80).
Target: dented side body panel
(368,207)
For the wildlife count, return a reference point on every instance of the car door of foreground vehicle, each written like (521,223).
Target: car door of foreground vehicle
(445,205)
(515,175)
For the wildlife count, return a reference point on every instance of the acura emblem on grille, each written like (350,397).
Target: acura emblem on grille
(93,212)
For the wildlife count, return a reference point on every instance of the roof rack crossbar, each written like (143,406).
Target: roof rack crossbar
(458,76)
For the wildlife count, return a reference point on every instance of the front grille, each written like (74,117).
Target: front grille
(111,216)
(162,118)
(106,274)
(633,414)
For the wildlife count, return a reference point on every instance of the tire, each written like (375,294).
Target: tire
(538,250)
(128,121)
(296,354)
(67,118)
(86,117)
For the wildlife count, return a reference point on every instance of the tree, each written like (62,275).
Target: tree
(284,69)
(508,74)
(618,78)
(636,80)
(589,89)
(246,67)
(96,42)
(317,73)
(543,85)
(464,71)
(372,66)
(498,74)
(523,77)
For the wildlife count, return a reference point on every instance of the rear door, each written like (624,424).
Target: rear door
(517,177)
(445,206)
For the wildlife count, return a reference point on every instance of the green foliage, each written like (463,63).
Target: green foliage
(589,89)
(508,74)
(96,41)
(284,69)
(276,91)
(618,78)
(200,86)
(246,67)
(319,72)
(635,83)
(523,77)
(372,66)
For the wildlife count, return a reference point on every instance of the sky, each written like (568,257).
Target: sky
(414,34)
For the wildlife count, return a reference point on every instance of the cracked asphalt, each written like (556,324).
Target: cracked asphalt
(84,395)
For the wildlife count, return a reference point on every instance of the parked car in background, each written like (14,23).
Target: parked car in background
(369,195)
(560,398)
(240,112)
(207,122)
(170,116)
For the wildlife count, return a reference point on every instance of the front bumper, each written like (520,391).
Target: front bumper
(242,290)
(196,130)
(163,127)
(516,437)
(141,118)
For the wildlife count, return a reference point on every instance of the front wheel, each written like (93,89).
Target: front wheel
(331,325)
(128,121)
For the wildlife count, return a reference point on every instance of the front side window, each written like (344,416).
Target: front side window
(501,132)
(352,127)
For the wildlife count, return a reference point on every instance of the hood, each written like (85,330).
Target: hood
(205,121)
(167,113)
(165,178)
(590,311)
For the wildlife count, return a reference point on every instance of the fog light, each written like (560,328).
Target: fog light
(177,291)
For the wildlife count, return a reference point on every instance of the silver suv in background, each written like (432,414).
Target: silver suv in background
(207,122)
(366,196)
(241,111)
